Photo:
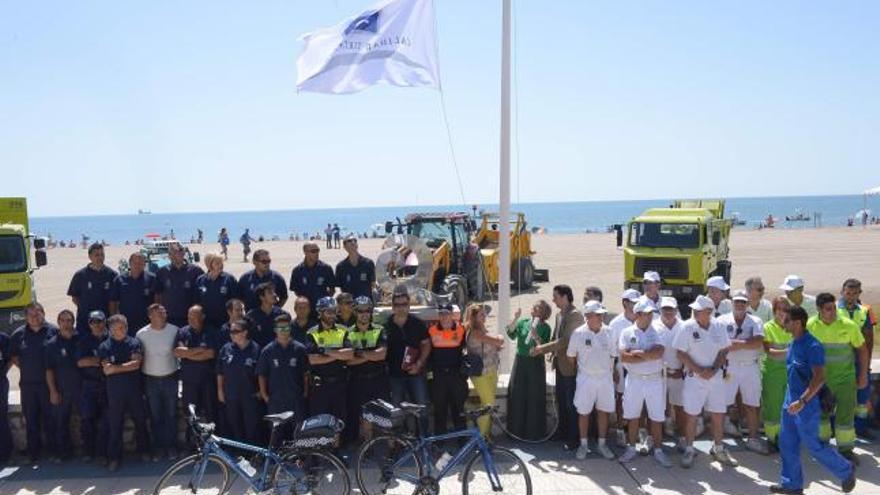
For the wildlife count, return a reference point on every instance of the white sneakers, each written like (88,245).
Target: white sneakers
(720,454)
(758,446)
(582,452)
(661,458)
(605,452)
(645,442)
(628,455)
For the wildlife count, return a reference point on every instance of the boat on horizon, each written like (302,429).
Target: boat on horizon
(144,212)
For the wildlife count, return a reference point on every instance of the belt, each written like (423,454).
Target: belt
(645,376)
(595,373)
(674,373)
(153,377)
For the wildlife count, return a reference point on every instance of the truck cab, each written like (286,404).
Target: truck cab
(16,263)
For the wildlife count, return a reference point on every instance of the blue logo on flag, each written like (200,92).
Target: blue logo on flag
(367,22)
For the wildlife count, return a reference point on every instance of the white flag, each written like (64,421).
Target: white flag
(392,43)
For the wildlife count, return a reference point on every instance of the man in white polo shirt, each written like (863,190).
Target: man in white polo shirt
(716,289)
(746,334)
(758,305)
(621,322)
(668,327)
(595,349)
(641,352)
(793,286)
(158,340)
(702,346)
(651,289)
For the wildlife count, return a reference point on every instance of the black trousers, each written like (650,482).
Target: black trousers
(568,416)
(448,392)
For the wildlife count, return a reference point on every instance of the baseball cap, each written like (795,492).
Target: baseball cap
(651,276)
(631,295)
(718,282)
(702,303)
(740,295)
(97,315)
(792,282)
(668,302)
(643,306)
(594,308)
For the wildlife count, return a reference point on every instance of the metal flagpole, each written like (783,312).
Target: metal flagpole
(504,174)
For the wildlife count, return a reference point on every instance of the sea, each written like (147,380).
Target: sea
(553,218)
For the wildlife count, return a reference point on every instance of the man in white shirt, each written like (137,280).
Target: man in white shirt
(668,327)
(758,305)
(624,320)
(594,349)
(702,347)
(651,289)
(743,376)
(641,352)
(716,289)
(793,286)
(158,340)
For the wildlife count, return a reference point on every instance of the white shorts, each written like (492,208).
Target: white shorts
(745,379)
(708,394)
(594,391)
(648,391)
(675,391)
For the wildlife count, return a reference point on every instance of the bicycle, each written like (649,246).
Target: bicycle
(551,425)
(395,462)
(301,466)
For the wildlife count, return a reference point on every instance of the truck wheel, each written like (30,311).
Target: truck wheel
(456,286)
(523,274)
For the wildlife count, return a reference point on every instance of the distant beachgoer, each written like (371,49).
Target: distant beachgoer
(336,236)
(328,236)
(201,236)
(245,241)
(223,239)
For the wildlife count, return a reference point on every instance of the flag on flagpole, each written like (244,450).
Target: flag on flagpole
(391,43)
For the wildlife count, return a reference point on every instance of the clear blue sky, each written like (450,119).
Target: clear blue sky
(112,106)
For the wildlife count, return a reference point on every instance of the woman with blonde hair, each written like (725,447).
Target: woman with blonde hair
(527,390)
(214,289)
(486,345)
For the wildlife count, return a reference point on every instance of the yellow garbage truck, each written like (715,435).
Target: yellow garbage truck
(17,265)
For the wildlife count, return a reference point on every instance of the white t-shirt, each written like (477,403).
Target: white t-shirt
(703,345)
(764,311)
(618,325)
(667,337)
(633,338)
(159,358)
(751,326)
(595,351)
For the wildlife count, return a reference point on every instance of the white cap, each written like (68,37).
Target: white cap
(702,303)
(668,302)
(740,295)
(718,282)
(643,306)
(792,282)
(631,295)
(595,308)
(651,276)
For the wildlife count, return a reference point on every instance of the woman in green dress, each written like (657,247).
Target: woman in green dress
(527,390)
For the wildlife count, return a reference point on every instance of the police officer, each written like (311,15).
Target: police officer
(261,273)
(93,400)
(176,285)
(303,320)
(449,387)
(28,351)
(196,348)
(369,372)
(282,372)
(234,312)
(214,289)
(329,351)
(851,307)
(131,293)
(355,274)
(237,383)
(346,315)
(263,316)
(90,288)
(5,433)
(64,381)
(121,357)
(312,278)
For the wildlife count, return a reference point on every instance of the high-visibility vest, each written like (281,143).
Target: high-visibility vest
(839,339)
(329,338)
(365,340)
(446,338)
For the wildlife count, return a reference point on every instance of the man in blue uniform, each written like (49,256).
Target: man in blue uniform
(261,273)
(369,372)
(312,278)
(90,288)
(176,285)
(93,400)
(329,350)
(303,320)
(131,293)
(121,356)
(282,371)
(64,381)
(237,383)
(196,348)
(28,350)
(215,288)
(263,316)
(234,312)
(801,411)
(355,274)
(5,433)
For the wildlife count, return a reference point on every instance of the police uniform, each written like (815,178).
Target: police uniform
(177,286)
(263,328)
(743,371)
(92,404)
(674,375)
(213,295)
(644,384)
(248,283)
(242,408)
(449,387)
(92,289)
(5,433)
(862,316)
(357,279)
(328,386)
(124,394)
(30,349)
(595,353)
(285,368)
(198,377)
(774,379)
(61,358)
(703,346)
(134,295)
(368,380)
(313,282)
(346,322)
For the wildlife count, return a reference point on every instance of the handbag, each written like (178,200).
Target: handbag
(472,364)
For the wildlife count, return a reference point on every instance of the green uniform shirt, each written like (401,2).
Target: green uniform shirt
(839,339)
(776,337)
(520,333)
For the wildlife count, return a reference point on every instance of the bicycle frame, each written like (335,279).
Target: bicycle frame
(214,446)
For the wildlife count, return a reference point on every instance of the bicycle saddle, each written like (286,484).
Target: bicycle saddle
(279,418)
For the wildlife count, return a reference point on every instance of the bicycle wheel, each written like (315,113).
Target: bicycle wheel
(311,472)
(552,424)
(384,467)
(513,475)
(184,477)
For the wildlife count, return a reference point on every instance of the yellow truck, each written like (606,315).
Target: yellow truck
(685,243)
(16,265)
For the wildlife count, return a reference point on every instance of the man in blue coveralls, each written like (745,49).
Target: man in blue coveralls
(801,411)
(65,383)
(282,372)
(261,273)
(93,400)
(176,285)
(312,278)
(196,347)
(90,288)
(131,293)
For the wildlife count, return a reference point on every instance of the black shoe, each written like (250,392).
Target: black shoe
(786,491)
(849,483)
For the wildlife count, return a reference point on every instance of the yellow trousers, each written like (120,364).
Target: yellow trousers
(485,385)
